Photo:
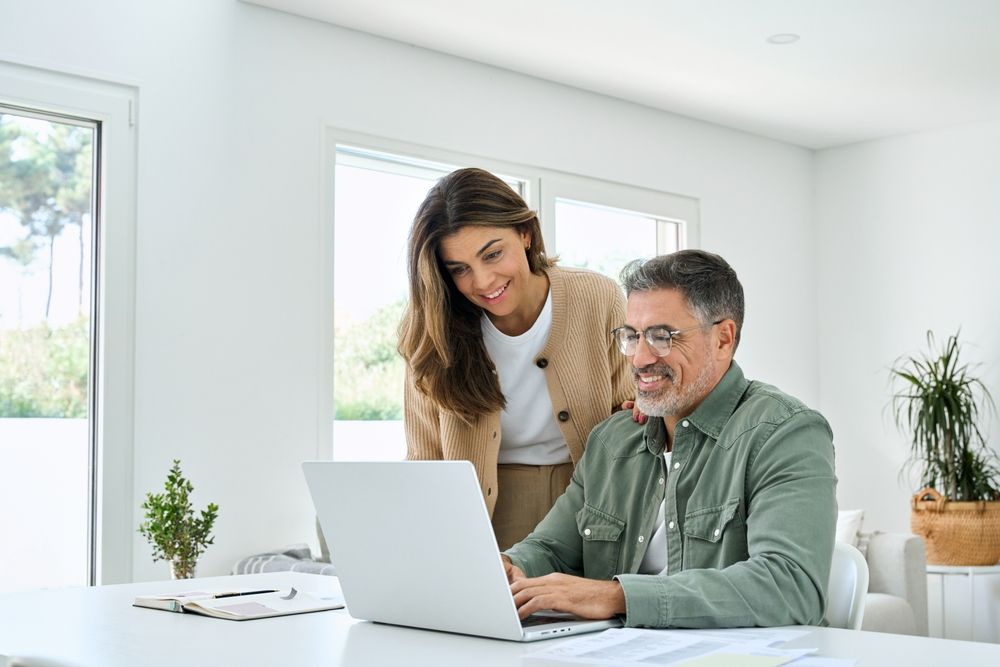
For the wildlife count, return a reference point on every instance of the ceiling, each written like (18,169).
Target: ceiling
(862,69)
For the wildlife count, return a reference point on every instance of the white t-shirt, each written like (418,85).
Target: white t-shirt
(530,434)
(655,559)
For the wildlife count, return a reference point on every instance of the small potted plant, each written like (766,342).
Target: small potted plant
(939,402)
(172,528)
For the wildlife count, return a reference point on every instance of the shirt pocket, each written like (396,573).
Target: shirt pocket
(714,536)
(601,535)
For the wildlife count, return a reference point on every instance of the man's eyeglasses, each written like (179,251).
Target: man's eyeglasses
(658,337)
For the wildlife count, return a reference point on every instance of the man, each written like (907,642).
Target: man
(720,510)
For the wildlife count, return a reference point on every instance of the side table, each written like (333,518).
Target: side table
(971,573)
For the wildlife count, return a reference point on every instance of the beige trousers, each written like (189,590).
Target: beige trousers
(526,494)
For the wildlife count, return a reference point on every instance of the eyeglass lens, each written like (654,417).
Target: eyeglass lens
(658,338)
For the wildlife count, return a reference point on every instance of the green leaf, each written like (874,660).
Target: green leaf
(939,402)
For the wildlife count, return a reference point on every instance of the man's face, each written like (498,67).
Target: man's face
(673,385)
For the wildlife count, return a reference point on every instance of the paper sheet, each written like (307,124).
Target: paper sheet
(750,647)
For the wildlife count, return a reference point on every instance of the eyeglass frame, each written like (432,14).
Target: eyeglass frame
(653,348)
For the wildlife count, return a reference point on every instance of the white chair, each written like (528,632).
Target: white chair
(845,606)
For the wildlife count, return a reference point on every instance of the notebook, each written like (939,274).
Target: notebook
(412,545)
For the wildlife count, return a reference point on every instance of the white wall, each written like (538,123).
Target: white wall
(908,239)
(232,102)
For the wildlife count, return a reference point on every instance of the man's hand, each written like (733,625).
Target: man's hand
(588,598)
(513,571)
(637,415)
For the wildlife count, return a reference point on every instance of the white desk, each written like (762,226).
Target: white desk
(98,627)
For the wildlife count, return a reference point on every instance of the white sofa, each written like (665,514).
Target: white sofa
(897,587)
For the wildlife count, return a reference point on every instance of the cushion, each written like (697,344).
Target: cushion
(297,558)
(849,525)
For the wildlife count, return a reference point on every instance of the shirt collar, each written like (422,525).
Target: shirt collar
(711,416)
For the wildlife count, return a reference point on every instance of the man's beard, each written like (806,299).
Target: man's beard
(672,400)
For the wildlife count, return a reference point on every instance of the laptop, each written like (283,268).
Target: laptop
(413,545)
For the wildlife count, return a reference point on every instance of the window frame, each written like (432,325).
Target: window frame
(112,106)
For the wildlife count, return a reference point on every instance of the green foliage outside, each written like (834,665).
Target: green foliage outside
(368,372)
(45,183)
(44,371)
(172,528)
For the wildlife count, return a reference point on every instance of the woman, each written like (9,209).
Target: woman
(509,359)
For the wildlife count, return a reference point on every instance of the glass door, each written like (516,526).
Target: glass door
(48,189)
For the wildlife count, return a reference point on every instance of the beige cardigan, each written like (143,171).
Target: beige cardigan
(587,377)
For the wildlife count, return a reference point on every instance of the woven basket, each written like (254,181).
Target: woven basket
(957,533)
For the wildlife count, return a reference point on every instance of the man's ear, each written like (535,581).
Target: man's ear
(726,338)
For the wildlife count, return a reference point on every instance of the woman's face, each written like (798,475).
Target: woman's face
(489,267)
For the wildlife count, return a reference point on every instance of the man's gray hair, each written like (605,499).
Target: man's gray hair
(709,284)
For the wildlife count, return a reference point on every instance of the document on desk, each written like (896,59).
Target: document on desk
(242,605)
(749,647)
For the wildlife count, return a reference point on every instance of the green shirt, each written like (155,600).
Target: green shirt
(750,511)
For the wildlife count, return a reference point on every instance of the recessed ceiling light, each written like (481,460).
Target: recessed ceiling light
(783,38)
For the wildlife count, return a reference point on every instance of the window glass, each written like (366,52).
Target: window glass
(46,232)
(604,239)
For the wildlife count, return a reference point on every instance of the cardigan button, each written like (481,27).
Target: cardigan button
(542,363)
(563,416)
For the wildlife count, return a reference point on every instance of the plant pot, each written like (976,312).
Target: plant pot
(957,533)
(182,569)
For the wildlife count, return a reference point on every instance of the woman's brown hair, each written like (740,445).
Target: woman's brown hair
(440,336)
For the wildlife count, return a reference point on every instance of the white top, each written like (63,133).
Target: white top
(529,431)
(655,559)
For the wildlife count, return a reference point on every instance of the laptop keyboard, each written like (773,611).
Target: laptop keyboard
(540,619)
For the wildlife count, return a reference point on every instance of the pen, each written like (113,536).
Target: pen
(232,595)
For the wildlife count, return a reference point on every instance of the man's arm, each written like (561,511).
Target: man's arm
(791,515)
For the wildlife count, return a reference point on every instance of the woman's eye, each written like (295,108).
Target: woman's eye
(493,255)
(458,270)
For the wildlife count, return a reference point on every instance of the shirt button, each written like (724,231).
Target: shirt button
(641,539)
(685,423)
(563,416)
(489,491)
(494,435)
(717,532)
(661,480)
(670,525)
(586,531)
(676,466)
(542,363)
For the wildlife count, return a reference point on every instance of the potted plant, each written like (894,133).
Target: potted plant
(177,535)
(939,402)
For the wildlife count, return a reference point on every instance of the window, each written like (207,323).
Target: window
(602,226)
(376,187)
(376,196)
(66,285)
(47,179)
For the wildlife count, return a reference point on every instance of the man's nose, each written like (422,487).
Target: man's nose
(643,354)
